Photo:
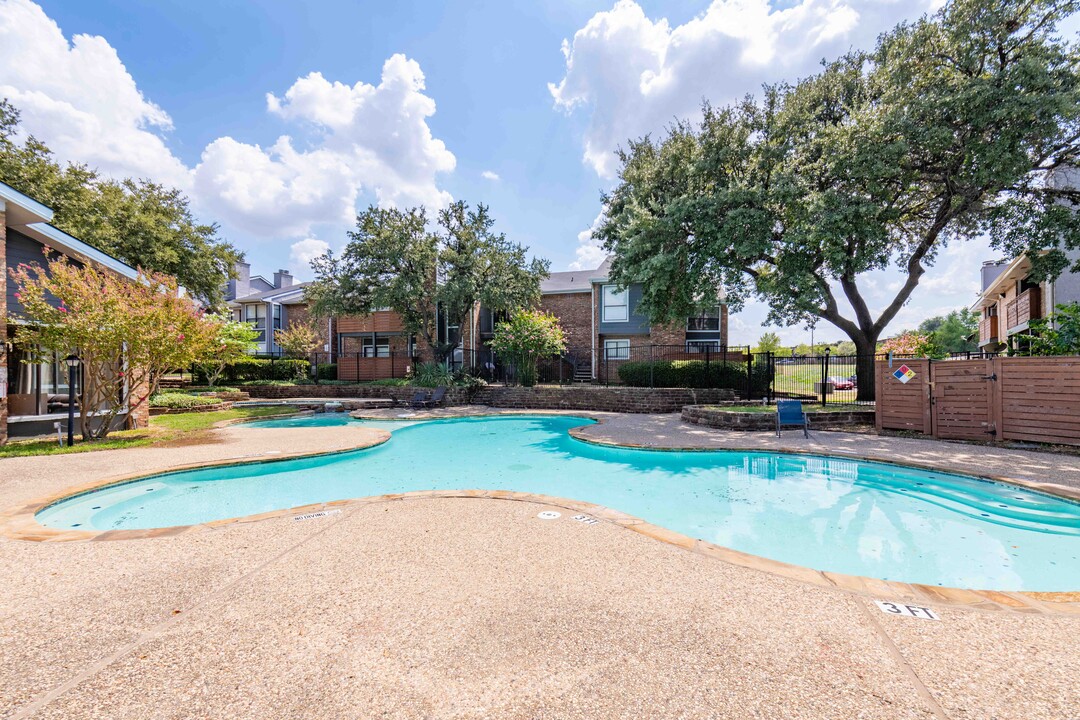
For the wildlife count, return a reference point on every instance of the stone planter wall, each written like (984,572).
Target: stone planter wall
(195,409)
(600,398)
(732,419)
(573,397)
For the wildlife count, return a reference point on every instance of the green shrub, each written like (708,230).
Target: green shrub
(694,374)
(195,389)
(388,382)
(251,369)
(179,401)
(431,374)
(275,383)
(328,372)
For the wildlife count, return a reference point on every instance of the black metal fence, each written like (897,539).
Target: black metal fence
(817,379)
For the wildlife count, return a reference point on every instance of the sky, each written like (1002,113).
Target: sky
(281,120)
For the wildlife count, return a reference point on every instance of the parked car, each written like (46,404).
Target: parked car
(840,383)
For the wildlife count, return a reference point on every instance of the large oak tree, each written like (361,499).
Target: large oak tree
(952,127)
(395,260)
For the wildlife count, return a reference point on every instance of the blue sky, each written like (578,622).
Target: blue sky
(280,119)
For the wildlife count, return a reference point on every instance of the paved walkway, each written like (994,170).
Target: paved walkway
(459,608)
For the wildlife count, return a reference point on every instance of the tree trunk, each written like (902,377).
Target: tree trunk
(865,349)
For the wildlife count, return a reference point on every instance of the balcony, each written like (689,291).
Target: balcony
(988,330)
(1024,309)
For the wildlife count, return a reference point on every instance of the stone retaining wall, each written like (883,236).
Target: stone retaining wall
(574,397)
(732,419)
(192,409)
(600,398)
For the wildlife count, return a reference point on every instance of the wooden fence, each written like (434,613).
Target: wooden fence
(1034,399)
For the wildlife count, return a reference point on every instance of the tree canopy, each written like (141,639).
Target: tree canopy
(395,260)
(951,127)
(143,223)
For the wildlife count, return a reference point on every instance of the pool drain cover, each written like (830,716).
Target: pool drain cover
(549,515)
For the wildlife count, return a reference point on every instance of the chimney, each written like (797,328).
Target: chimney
(241,286)
(282,279)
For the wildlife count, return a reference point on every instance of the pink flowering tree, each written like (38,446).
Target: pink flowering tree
(527,337)
(127,334)
(911,343)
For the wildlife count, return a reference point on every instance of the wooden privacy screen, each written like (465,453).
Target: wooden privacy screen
(1009,398)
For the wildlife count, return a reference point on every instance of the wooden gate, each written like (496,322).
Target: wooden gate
(961,399)
(903,405)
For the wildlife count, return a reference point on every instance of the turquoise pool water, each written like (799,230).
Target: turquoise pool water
(836,514)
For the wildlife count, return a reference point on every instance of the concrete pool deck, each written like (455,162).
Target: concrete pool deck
(453,607)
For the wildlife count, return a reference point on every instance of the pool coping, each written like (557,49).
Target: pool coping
(20,523)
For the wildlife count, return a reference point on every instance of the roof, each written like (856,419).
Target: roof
(30,217)
(25,210)
(281,295)
(567,282)
(572,281)
(1018,269)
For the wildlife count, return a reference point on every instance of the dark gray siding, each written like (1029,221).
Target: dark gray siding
(21,249)
(636,323)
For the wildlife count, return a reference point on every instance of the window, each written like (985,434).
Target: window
(700,346)
(616,349)
(277,317)
(992,311)
(257,314)
(707,320)
(615,305)
(377,346)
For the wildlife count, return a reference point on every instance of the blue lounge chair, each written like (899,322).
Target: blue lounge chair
(790,413)
(436,397)
(419,399)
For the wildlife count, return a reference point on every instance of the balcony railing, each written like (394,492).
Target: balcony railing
(1023,309)
(988,330)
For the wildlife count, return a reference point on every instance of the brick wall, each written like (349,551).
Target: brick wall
(669,334)
(300,314)
(574,311)
(4,378)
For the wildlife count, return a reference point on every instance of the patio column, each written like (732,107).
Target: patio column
(4,380)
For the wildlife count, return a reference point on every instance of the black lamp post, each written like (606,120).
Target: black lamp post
(72,361)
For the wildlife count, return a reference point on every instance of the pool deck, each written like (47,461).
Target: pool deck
(475,608)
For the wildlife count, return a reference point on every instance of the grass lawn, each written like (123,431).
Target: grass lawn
(799,378)
(163,429)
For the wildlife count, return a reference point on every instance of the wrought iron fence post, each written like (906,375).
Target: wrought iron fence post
(825,379)
(651,366)
(749,373)
(770,375)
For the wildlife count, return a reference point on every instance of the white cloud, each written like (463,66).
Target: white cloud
(633,75)
(80,99)
(369,137)
(304,251)
(490,175)
(589,254)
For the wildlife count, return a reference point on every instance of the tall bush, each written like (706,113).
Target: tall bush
(528,336)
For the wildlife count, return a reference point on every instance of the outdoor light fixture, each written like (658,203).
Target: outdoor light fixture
(72,361)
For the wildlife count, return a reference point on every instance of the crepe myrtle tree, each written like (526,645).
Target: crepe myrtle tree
(952,127)
(230,341)
(128,334)
(395,259)
(528,336)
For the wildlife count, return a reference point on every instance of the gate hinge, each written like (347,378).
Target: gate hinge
(991,376)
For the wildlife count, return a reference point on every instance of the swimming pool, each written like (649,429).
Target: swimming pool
(827,513)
